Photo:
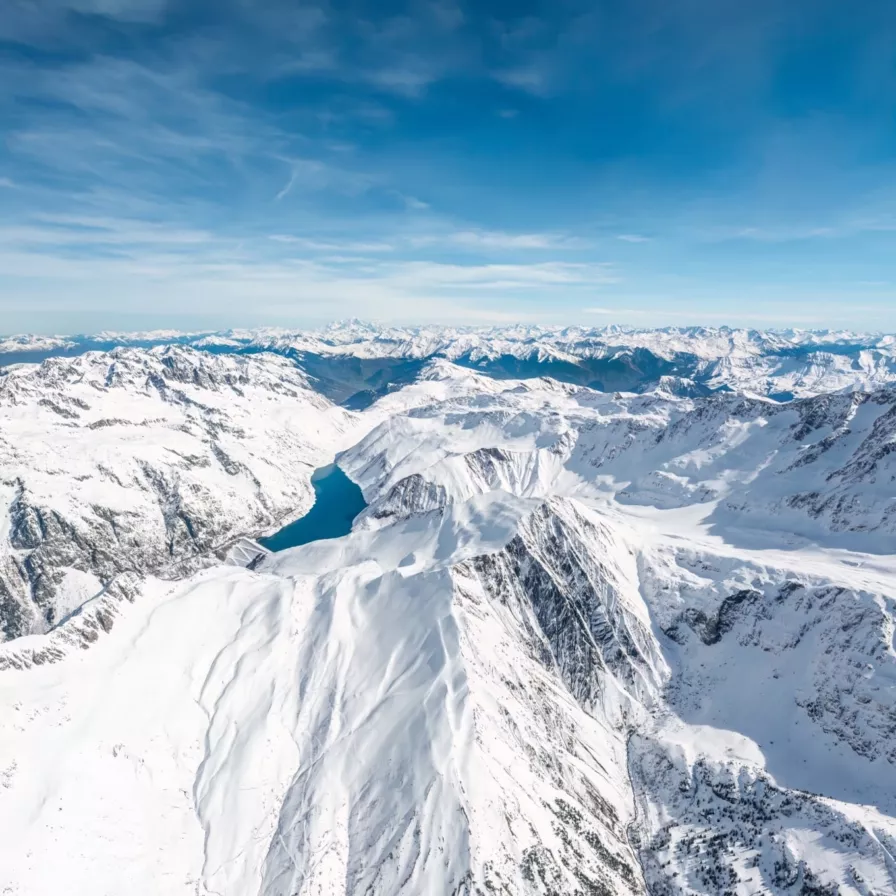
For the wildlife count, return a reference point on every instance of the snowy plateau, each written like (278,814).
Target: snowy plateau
(618,617)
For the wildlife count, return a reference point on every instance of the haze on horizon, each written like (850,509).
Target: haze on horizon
(175,163)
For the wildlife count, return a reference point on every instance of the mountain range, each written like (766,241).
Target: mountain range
(618,617)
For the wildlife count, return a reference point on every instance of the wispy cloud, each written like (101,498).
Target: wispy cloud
(96,233)
(782,234)
(499,240)
(844,226)
(408,81)
(501,276)
(332,246)
(317,154)
(413,203)
(475,242)
(531,79)
(315,174)
(103,261)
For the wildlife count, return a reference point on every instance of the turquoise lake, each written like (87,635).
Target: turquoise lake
(337,501)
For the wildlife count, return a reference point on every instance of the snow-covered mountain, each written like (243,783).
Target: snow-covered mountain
(362,361)
(776,364)
(145,461)
(579,642)
(816,469)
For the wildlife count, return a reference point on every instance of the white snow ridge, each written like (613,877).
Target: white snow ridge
(580,641)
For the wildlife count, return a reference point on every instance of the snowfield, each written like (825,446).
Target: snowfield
(580,641)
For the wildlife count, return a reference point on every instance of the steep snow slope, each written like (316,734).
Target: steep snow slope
(142,459)
(396,712)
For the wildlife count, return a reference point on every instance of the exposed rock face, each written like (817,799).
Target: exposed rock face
(720,828)
(79,630)
(593,629)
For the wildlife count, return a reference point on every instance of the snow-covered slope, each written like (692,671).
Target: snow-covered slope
(580,642)
(819,469)
(391,713)
(142,459)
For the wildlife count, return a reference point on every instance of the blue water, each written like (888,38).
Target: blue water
(337,501)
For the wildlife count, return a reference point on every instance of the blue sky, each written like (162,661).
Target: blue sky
(215,163)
